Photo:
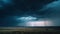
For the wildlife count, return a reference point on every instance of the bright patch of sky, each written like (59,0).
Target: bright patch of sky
(51,5)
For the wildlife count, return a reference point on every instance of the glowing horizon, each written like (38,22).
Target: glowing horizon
(39,23)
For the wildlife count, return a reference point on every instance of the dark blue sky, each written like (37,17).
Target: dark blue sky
(12,9)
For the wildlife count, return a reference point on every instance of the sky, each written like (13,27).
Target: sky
(12,10)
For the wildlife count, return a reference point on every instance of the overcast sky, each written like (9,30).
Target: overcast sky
(13,9)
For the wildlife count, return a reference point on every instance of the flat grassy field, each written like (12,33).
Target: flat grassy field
(27,30)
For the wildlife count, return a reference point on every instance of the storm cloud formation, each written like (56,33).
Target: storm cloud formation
(53,12)
(12,9)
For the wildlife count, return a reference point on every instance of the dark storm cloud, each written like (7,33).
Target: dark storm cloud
(53,12)
(21,8)
(32,5)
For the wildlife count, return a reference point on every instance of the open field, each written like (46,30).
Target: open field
(27,30)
